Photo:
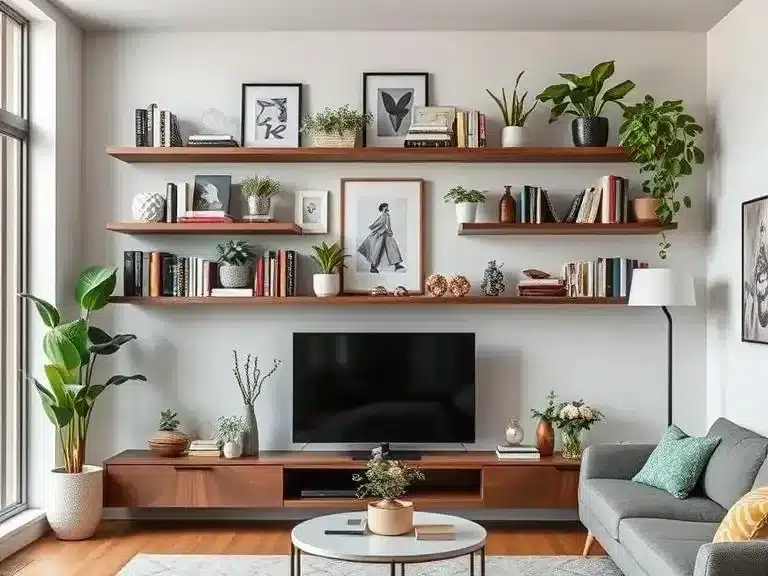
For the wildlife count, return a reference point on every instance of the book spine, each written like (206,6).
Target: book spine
(141,134)
(617,276)
(176,140)
(166,274)
(482,130)
(182,196)
(612,199)
(284,276)
(155,274)
(187,284)
(171,206)
(129,285)
(150,141)
(138,273)
(267,274)
(291,256)
(162,129)
(272,274)
(156,126)
(260,277)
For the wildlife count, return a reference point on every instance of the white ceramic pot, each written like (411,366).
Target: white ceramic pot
(390,517)
(75,502)
(513,137)
(466,212)
(326,285)
(234,276)
(232,449)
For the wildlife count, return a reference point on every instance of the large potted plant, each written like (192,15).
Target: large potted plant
(514,115)
(330,259)
(466,203)
(661,138)
(337,127)
(583,97)
(259,192)
(71,349)
(234,260)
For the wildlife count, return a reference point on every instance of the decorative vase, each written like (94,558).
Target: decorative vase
(514,432)
(75,502)
(645,209)
(148,207)
(335,140)
(590,131)
(545,438)
(251,436)
(326,285)
(232,449)
(259,208)
(493,279)
(571,444)
(507,207)
(390,517)
(466,212)
(512,137)
(234,276)
(168,444)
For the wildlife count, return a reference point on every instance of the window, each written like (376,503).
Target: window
(13,137)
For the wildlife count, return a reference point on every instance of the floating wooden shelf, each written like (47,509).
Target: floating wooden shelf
(550,154)
(569,229)
(199,228)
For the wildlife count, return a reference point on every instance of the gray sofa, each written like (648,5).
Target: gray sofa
(648,532)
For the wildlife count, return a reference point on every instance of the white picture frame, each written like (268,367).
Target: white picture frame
(311,211)
(271,116)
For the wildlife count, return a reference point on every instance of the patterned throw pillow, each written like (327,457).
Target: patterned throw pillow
(747,519)
(677,462)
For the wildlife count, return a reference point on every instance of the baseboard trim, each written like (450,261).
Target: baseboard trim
(21,530)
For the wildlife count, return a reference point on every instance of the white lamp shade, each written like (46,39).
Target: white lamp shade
(661,287)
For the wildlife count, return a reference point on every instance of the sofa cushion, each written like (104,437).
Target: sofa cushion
(747,519)
(665,547)
(610,501)
(762,476)
(733,467)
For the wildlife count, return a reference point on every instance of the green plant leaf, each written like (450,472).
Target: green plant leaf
(77,333)
(685,168)
(573,79)
(556,93)
(698,155)
(60,350)
(48,312)
(93,392)
(59,417)
(687,201)
(120,379)
(601,73)
(111,346)
(95,286)
(57,380)
(79,395)
(619,91)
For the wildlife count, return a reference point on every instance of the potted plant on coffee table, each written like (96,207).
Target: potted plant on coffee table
(337,127)
(514,115)
(583,97)
(259,192)
(234,260)
(330,259)
(71,349)
(466,203)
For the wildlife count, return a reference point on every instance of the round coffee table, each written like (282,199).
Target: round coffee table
(310,538)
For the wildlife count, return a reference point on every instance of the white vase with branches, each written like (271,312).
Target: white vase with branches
(250,388)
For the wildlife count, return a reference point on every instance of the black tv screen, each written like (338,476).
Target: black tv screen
(384,387)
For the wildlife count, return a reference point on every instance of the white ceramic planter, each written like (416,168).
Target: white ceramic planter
(513,137)
(326,285)
(232,449)
(390,518)
(466,212)
(75,502)
(234,276)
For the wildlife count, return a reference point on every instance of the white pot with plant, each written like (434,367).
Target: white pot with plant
(230,430)
(388,480)
(234,260)
(514,114)
(336,128)
(466,203)
(74,503)
(330,259)
(258,192)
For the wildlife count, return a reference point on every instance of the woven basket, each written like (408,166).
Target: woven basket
(168,444)
(334,139)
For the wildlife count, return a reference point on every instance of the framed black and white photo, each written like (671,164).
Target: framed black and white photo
(212,193)
(312,211)
(382,230)
(754,270)
(271,115)
(390,97)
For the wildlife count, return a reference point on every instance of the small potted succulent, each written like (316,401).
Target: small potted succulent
(330,259)
(258,192)
(168,442)
(337,127)
(230,430)
(466,203)
(545,433)
(234,259)
(514,115)
(572,418)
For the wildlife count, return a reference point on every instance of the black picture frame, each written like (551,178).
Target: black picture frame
(243,109)
(222,183)
(758,256)
(367,75)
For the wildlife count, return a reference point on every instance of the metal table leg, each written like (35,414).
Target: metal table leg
(482,561)
(293,558)
(392,569)
(402,569)
(298,561)
(471,564)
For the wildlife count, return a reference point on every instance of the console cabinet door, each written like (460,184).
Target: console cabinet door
(530,487)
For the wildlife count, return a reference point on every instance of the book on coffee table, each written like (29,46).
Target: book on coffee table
(435,532)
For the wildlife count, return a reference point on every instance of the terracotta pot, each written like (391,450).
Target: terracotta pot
(390,517)
(645,209)
(545,438)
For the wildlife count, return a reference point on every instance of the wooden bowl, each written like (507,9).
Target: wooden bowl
(168,444)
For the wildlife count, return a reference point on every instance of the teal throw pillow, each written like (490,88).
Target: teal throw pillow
(677,462)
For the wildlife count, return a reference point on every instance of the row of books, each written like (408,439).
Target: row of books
(471,129)
(602,278)
(534,206)
(209,448)
(157,128)
(517,452)
(553,287)
(276,274)
(445,127)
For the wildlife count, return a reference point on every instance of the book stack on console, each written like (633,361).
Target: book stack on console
(431,127)
(435,532)
(517,452)
(211,141)
(542,287)
(205,448)
(206,216)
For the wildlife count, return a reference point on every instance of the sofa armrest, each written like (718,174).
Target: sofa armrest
(617,461)
(732,559)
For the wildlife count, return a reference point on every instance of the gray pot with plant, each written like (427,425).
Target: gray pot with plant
(336,128)
(234,259)
(258,192)
(583,97)
(330,259)
(250,388)
(466,203)
(514,115)
(661,138)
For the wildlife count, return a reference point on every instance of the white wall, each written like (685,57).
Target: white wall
(736,89)
(615,358)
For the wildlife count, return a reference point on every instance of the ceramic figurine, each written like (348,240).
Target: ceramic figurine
(378,291)
(400,291)
(459,286)
(148,207)
(493,279)
(514,432)
(437,285)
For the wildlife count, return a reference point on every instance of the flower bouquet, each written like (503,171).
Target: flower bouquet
(572,419)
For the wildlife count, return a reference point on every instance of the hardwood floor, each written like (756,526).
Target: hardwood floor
(117,542)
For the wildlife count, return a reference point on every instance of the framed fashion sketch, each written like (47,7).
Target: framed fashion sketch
(382,231)
(754,270)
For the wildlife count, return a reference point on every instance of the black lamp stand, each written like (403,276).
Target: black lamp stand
(669,365)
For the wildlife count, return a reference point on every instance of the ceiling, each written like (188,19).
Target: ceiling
(691,15)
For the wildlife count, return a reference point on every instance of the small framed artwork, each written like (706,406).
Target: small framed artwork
(271,115)
(212,193)
(754,270)
(382,230)
(391,97)
(312,211)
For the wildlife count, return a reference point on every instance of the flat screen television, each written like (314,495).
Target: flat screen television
(384,387)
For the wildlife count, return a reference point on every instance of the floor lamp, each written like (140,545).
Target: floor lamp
(662,287)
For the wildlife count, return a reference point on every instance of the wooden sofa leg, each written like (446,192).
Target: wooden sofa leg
(588,544)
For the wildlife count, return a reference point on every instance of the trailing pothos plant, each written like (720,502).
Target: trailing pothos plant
(71,350)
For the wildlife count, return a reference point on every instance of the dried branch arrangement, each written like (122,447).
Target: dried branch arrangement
(254,380)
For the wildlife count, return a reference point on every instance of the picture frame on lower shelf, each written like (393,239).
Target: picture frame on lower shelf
(311,211)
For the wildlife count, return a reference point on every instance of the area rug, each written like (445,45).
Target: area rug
(222,565)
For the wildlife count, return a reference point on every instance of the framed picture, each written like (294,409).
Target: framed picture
(212,193)
(271,115)
(312,211)
(382,230)
(754,270)
(390,97)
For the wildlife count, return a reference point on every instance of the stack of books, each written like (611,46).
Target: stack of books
(471,129)
(157,128)
(541,287)
(204,448)
(431,127)
(276,274)
(534,206)
(158,274)
(518,452)
(211,141)
(207,216)
(435,532)
(603,278)
(176,201)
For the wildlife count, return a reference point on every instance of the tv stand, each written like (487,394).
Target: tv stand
(409,455)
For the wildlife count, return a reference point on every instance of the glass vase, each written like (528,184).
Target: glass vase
(571,444)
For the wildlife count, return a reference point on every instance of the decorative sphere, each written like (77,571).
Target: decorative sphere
(514,432)
(148,207)
(437,285)
(378,291)
(400,291)
(459,286)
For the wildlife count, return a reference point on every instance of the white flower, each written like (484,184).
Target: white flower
(569,412)
(394,471)
(586,412)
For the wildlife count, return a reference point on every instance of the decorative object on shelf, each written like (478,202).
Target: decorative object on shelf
(754,267)
(75,495)
(234,258)
(258,192)
(459,285)
(507,207)
(493,279)
(311,211)
(583,97)
(336,128)
(148,207)
(330,259)
(535,274)
(400,291)
(661,138)
(214,122)
(251,390)
(572,418)
(168,441)
(663,287)
(545,433)
(382,221)
(514,433)
(391,98)
(388,480)
(379,291)
(514,115)
(212,194)
(230,430)
(436,285)
(466,203)
(271,114)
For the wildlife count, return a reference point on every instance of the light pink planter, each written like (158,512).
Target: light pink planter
(390,518)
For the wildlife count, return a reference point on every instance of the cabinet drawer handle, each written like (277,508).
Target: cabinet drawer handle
(180,468)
